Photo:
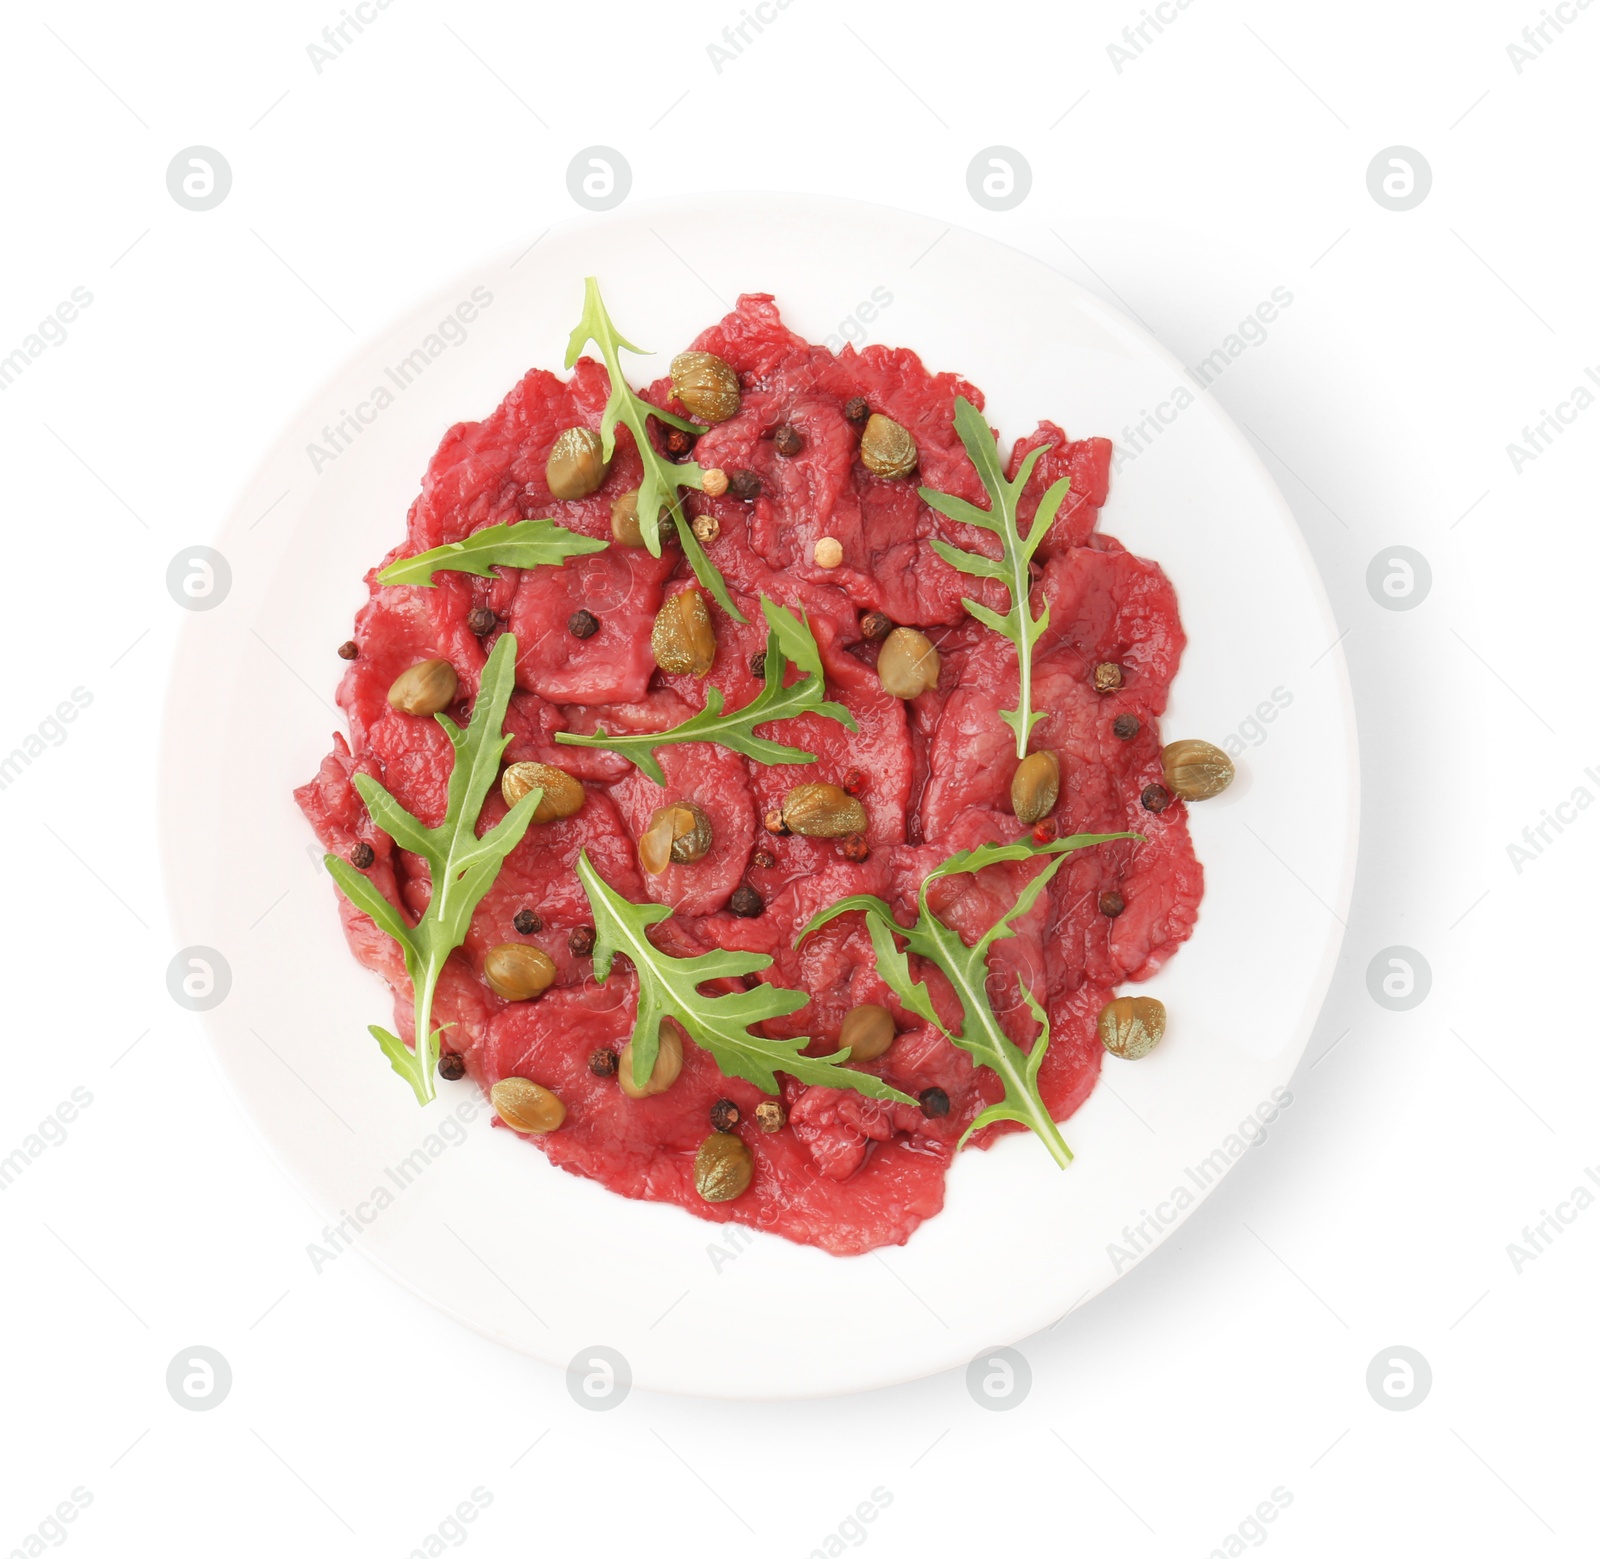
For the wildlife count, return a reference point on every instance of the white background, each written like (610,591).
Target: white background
(1227,158)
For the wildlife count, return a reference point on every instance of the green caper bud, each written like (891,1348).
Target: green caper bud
(867,1031)
(678,832)
(1035,787)
(1132,1026)
(706,385)
(682,639)
(669,1063)
(823,812)
(722,1167)
(563,795)
(887,449)
(525,1106)
(424,689)
(625,527)
(517,971)
(1196,770)
(576,465)
(908,664)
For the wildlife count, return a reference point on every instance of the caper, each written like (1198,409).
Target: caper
(908,663)
(683,640)
(576,465)
(1132,1026)
(866,1032)
(669,1062)
(678,832)
(1196,770)
(722,1167)
(517,971)
(424,689)
(625,527)
(823,811)
(1035,786)
(563,795)
(887,449)
(525,1106)
(706,385)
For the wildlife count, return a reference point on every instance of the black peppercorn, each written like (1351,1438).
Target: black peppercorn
(875,626)
(1111,903)
(854,847)
(583,624)
(935,1102)
(724,1115)
(745,902)
(1154,798)
(856,408)
(580,941)
(1125,727)
(527,922)
(678,443)
(788,440)
(349,650)
(362,855)
(603,1062)
(451,1066)
(744,484)
(480,620)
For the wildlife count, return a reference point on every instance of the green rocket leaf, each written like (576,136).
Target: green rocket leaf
(670,988)
(967,970)
(790,640)
(662,478)
(462,864)
(1011,568)
(526,544)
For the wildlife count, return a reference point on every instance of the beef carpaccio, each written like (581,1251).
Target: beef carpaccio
(846,1172)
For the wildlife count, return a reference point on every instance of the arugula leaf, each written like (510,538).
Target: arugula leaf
(967,970)
(658,486)
(526,544)
(790,639)
(1011,568)
(670,988)
(462,864)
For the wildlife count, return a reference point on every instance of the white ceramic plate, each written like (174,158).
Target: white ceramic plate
(478,1222)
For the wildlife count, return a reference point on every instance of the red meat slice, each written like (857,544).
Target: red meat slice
(847,1173)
